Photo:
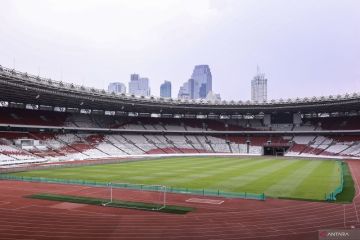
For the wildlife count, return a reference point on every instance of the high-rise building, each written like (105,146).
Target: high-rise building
(202,91)
(184,91)
(134,76)
(139,86)
(202,81)
(199,85)
(187,90)
(117,87)
(259,87)
(191,88)
(165,89)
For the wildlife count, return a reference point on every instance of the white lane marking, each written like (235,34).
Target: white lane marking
(202,200)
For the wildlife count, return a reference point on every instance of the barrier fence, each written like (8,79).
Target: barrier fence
(144,187)
(332,195)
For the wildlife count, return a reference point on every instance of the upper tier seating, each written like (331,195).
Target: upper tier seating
(31,117)
(337,123)
(50,118)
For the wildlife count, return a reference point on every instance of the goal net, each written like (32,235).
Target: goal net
(137,196)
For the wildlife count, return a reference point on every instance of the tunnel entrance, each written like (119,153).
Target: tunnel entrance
(275,150)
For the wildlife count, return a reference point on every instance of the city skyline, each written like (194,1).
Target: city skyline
(305,48)
(197,87)
(166,89)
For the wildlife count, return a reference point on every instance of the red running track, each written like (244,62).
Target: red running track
(22,218)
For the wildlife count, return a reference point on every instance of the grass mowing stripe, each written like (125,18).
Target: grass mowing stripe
(216,181)
(157,176)
(274,176)
(143,175)
(182,179)
(253,173)
(252,177)
(181,162)
(313,186)
(226,174)
(168,177)
(204,165)
(92,172)
(195,174)
(288,184)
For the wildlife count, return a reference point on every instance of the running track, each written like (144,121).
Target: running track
(22,218)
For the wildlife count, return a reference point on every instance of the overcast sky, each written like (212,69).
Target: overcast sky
(305,48)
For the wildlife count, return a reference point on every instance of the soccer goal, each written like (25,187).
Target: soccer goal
(137,196)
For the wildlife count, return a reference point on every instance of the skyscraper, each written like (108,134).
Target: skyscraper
(134,77)
(187,90)
(117,87)
(259,87)
(202,91)
(199,85)
(191,88)
(165,89)
(202,81)
(184,92)
(139,86)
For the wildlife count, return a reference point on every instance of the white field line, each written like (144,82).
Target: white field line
(201,200)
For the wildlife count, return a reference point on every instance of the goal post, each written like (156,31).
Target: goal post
(138,196)
(110,200)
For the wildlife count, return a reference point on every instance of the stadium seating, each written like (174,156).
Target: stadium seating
(58,146)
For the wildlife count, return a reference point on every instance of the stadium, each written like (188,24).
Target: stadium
(82,163)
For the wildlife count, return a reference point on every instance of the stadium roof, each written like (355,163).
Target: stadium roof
(20,87)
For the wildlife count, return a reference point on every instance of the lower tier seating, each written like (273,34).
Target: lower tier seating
(62,147)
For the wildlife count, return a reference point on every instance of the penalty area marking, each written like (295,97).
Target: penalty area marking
(201,200)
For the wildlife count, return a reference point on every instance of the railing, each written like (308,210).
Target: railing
(332,195)
(142,187)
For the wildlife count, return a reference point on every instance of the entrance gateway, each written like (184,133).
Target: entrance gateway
(275,149)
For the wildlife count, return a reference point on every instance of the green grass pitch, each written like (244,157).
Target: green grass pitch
(276,177)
